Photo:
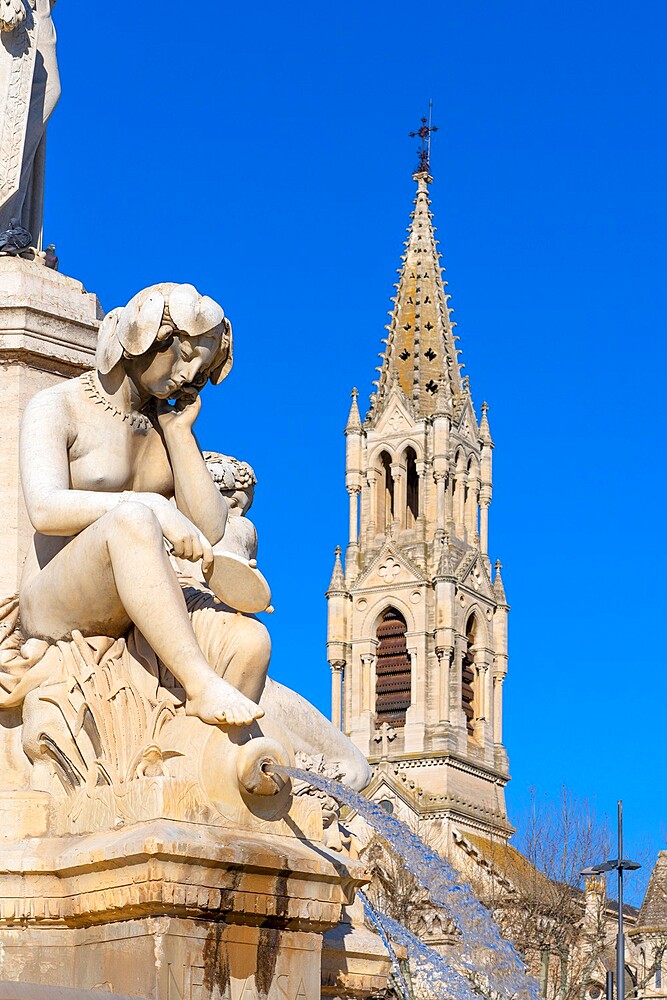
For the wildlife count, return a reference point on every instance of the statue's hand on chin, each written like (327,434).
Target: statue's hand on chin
(181,416)
(12,13)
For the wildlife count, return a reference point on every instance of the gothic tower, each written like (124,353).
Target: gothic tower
(417,622)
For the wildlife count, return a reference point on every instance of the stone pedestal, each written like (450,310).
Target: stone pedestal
(48,331)
(355,962)
(172,911)
(36,991)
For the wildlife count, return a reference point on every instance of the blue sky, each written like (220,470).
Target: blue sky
(261,152)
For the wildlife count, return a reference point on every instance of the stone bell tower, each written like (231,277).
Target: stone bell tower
(417,624)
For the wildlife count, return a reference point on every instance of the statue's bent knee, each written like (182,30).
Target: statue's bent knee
(132,517)
(256,643)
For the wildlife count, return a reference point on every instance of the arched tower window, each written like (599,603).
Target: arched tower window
(468,678)
(393,674)
(412,488)
(386,491)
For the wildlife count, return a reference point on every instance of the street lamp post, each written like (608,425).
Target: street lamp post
(619,864)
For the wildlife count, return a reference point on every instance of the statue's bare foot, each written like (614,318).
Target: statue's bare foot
(221,704)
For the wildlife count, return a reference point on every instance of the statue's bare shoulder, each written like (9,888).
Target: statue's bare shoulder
(52,412)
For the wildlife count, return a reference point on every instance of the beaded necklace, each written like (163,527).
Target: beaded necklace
(138,420)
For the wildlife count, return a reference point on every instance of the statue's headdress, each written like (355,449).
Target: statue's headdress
(153,315)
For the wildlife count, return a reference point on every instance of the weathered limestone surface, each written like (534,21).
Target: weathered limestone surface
(354,959)
(180,960)
(48,331)
(37,991)
(171,910)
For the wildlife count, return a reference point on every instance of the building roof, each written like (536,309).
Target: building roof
(506,861)
(653,911)
(420,354)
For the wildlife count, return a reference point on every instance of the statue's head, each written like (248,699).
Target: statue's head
(170,337)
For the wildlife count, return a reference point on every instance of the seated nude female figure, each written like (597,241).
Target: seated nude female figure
(101,457)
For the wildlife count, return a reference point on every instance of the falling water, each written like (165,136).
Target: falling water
(429,967)
(376,919)
(482,953)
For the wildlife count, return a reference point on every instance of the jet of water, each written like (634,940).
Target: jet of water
(483,951)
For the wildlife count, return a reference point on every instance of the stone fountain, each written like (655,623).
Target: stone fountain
(146,850)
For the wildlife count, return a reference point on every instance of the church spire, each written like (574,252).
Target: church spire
(354,419)
(417,624)
(337,582)
(499,587)
(420,352)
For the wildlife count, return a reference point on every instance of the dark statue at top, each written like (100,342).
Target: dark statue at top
(29,91)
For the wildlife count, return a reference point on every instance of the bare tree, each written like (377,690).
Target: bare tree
(563,931)
(563,928)
(533,888)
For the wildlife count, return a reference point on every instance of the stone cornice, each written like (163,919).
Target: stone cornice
(422,759)
(487,821)
(464,817)
(47,320)
(387,588)
(181,869)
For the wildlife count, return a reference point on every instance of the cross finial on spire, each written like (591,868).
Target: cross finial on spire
(424,134)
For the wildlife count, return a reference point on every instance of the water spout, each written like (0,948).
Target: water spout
(259,764)
(429,966)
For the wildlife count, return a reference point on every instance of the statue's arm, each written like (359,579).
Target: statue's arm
(47,429)
(195,492)
(53,508)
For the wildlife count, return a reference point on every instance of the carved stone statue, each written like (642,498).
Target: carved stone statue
(101,456)
(116,647)
(29,91)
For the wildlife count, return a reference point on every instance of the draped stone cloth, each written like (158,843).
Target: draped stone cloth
(25,664)
(29,91)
